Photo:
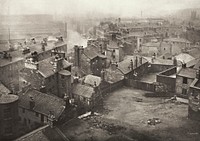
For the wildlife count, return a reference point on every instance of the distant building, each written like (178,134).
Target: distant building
(89,60)
(8,116)
(36,108)
(10,68)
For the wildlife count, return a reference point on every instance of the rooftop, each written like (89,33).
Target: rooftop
(18,55)
(44,103)
(159,61)
(83,90)
(5,99)
(187,72)
(65,72)
(177,40)
(91,79)
(184,57)
(125,65)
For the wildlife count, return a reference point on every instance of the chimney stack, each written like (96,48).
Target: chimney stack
(141,60)
(32,103)
(103,75)
(136,62)
(131,65)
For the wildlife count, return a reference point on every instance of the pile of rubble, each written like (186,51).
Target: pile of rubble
(94,121)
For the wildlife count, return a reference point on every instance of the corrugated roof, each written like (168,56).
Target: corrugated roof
(44,103)
(83,90)
(90,79)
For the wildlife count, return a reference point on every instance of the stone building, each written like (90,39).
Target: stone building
(89,60)
(51,75)
(36,108)
(184,79)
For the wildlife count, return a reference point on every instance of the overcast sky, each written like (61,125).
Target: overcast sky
(119,7)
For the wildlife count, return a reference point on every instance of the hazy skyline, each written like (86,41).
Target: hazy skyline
(121,8)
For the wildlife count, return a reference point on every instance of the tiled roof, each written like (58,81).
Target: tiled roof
(124,66)
(83,90)
(187,72)
(90,79)
(44,103)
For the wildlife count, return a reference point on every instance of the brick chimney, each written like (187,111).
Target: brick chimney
(58,63)
(131,64)
(31,103)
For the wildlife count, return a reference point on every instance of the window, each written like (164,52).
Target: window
(184,80)
(29,121)
(23,110)
(184,91)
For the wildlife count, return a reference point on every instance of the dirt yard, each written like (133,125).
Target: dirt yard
(123,106)
(124,118)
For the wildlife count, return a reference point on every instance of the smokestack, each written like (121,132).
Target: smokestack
(76,56)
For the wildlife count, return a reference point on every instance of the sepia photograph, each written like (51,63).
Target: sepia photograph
(99,70)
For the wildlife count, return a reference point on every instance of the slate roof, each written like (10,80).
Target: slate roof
(46,67)
(157,44)
(187,72)
(177,40)
(184,57)
(92,52)
(3,89)
(83,90)
(194,62)
(90,79)
(43,102)
(124,66)
(159,61)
